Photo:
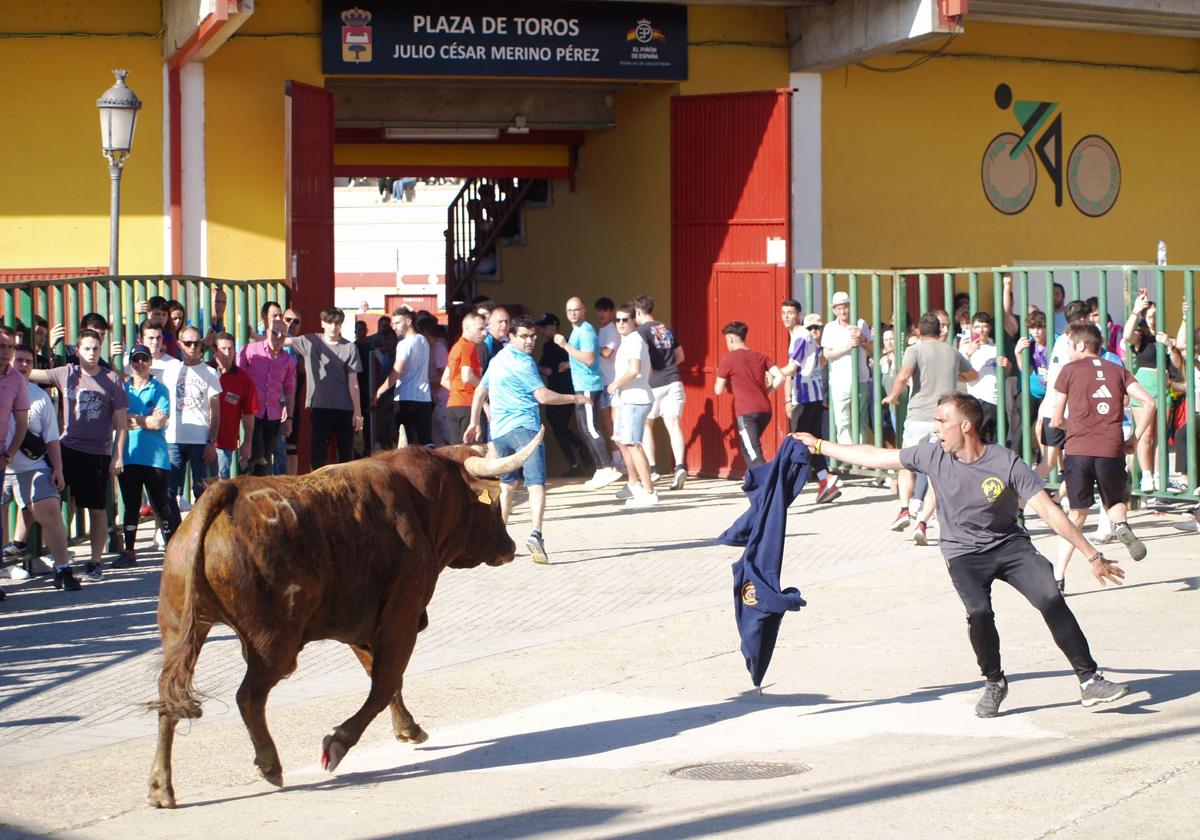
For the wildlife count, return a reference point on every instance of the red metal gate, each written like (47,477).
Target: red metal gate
(730,193)
(308,124)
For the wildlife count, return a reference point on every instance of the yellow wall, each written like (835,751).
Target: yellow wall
(612,235)
(901,169)
(55,208)
(244,142)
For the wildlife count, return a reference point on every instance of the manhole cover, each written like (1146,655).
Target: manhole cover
(739,771)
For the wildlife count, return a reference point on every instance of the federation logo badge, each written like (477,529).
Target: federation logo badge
(356,36)
(645,32)
(749,595)
(992,488)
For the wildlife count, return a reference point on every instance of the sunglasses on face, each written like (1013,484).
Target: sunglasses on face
(140,360)
(292,320)
(622,320)
(189,343)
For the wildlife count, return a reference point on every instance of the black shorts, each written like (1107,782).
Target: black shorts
(1052,435)
(1083,473)
(87,477)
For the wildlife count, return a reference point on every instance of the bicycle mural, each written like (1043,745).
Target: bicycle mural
(1010,171)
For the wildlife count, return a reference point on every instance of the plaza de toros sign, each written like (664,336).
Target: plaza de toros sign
(641,41)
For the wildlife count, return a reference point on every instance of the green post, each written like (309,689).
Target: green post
(1129,282)
(973,294)
(876,352)
(1022,281)
(239,305)
(829,289)
(923,293)
(810,296)
(900,330)
(1160,361)
(1102,297)
(1189,298)
(855,356)
(1050,331)
(948,298)
(1001,339)
(1075,292)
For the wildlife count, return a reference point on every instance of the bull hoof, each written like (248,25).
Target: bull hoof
(161,797)
(414,735)
(332,753)
(274,775)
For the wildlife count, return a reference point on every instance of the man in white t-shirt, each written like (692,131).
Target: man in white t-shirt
(980,351)
(635,398)
(410,376)
(846,348)
(195,391)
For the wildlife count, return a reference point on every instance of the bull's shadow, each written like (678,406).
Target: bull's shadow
(574,741)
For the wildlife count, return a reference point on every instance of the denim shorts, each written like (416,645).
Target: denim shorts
(631,423)
(534,471)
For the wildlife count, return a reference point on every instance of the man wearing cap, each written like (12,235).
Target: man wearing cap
(555,367)
(845,345)
(584,349)
(807,395)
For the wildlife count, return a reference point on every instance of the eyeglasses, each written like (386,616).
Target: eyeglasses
(526,336)
(814,327)
(140,360)
(619,320)
(291,320)
(189,343)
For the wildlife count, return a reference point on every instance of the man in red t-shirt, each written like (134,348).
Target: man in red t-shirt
(1094,391)
(462,374)
(752,377)
(239,404)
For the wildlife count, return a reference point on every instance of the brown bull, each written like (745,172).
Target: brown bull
(350,552)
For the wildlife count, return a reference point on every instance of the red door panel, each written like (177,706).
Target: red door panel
(308,125)
(730,192)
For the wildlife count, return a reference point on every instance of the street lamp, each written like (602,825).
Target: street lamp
(118,116)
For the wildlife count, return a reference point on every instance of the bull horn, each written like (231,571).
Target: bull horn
(481,467)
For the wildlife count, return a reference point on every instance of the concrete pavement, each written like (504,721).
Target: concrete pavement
(560,699)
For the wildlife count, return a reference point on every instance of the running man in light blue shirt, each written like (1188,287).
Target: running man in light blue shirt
(516,392)
(584,349)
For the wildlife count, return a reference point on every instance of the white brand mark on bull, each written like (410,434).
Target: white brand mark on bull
(278,503)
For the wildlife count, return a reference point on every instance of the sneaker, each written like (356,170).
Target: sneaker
(918,534)
(537,548)
(65,579)
(1188,525)
(654,476)
(829,489)
(1137,549)
(1099,690)
(18,572)
(159,542)
(125,560)
(12,551)
(603,478)
(900,523)
(625,493)
(993,695)
(145,510)
(1147,482)
(1103,536)
(92,572)
(678,479)
(642,500)
(1175,485)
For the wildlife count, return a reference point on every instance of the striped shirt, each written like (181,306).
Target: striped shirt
(808,388)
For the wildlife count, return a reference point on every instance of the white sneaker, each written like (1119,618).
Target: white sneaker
(602,478)
(1188,525)
(159,542)
(642,500)
(654,476)
(1103,536)
(1147,482)
(17,573)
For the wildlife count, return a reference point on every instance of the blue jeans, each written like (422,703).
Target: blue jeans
(534,470)
(224,465)
(184,455)
(281,448)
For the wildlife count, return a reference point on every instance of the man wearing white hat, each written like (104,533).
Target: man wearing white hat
(841,342)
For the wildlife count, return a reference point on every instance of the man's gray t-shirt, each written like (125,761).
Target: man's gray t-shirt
(88,406)
(977,502)
(936,366)
(329,367)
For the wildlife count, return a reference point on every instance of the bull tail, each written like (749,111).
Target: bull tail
(176,697)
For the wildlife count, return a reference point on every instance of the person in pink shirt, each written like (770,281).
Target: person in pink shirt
(14,403)
(273,372)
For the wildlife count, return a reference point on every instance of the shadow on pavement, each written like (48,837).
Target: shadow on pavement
(524,824)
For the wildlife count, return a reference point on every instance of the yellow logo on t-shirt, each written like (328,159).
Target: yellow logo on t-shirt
(992,488)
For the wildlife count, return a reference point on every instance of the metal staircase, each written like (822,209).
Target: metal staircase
(484,214)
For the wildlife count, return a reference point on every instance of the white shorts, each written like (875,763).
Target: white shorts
(917,431)
(668,401)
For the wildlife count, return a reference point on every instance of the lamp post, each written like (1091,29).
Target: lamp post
(118,115)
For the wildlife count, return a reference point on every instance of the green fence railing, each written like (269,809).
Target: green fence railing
(65,301)
(897,297)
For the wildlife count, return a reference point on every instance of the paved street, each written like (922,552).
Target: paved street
(558,698)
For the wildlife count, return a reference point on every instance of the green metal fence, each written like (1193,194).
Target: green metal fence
(65,301)
(899,296)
